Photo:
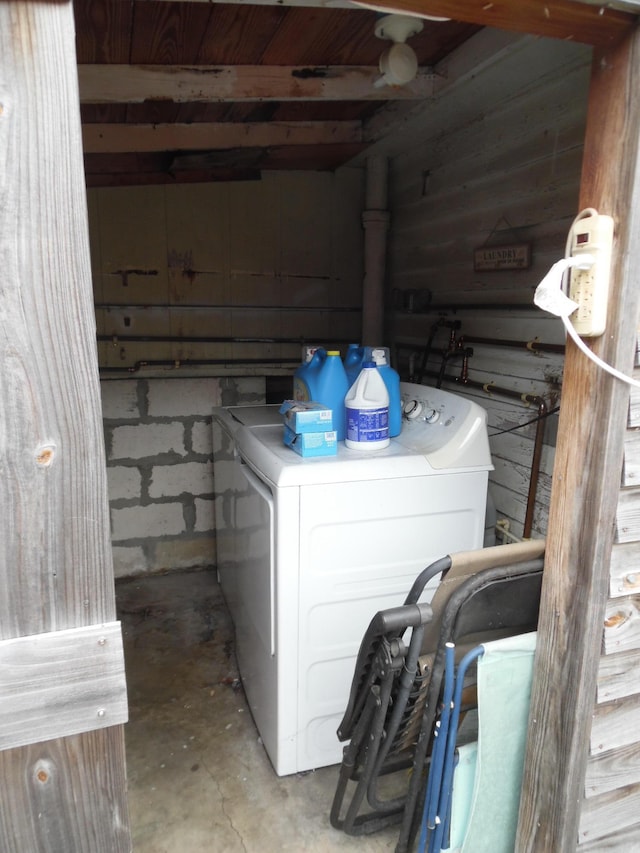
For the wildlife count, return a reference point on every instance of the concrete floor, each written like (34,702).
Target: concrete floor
(199,778)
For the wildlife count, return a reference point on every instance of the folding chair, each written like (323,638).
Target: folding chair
(476,810)
(397,683)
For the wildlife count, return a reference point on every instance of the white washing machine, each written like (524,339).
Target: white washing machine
(310,549)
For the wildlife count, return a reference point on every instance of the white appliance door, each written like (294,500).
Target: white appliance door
(361,547)
(254,616)
(227,481)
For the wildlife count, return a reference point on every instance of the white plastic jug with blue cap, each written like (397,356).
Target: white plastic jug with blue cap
(380,355)
(367,410)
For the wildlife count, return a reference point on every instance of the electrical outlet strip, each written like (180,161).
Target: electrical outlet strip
(591,234)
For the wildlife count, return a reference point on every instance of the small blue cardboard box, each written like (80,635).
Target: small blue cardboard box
(312,443)
(304,417)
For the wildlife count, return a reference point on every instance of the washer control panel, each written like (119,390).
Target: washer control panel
(433,419)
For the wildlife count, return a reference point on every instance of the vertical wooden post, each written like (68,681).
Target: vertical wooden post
(586,477)
(65,795)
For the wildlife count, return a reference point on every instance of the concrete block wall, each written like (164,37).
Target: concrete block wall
(160,469)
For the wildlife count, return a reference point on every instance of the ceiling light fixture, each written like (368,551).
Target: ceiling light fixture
(398,63)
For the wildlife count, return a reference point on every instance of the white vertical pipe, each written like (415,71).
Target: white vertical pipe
(375,220)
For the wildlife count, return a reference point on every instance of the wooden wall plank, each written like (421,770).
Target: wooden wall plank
(67,794)
(628,516)
(610,814)
(619,674)
(625,841)
(634,403)
(631,469)
(55,557)
(590,438)
(615,724)
(612,770)
(61,683)
(625,569)
(622,625)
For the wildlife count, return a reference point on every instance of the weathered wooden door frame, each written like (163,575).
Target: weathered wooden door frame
(586,476)
(62,685)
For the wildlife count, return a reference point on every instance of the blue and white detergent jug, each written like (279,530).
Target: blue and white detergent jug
(367,409)
(380,356)
(330,388)
(306,375)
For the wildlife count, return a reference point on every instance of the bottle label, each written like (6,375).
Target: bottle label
(368,424)
(300,390)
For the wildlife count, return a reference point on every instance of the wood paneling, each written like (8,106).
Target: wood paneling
(66,794)
(609,814)
(168,33)
(61,683)
(613,770)
(619,674)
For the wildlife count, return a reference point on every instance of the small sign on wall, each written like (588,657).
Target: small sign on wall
(516,256)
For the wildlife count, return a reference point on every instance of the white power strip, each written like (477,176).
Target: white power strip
(591,235)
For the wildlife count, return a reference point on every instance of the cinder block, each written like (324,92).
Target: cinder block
(205,520)
(119,399)
(202,438)
(243,390)
(182,398)
(124,483)
(144,522)
(185,553)
(147,440)
(129,561)
(195,478)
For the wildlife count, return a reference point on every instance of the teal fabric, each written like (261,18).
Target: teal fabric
(462,796)
(504,689)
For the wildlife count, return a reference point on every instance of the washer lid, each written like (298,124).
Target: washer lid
(256,415)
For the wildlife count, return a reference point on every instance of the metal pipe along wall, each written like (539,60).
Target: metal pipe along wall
(375,220)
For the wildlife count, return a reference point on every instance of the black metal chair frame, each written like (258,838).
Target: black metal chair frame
(391,688)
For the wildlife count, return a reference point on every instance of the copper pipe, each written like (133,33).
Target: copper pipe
(528,399)
(532,346)
(535,463)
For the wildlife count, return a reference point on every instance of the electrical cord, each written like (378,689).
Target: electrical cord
(526,423)
(550,297)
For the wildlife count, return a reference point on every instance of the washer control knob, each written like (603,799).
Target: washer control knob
(413,409)
(432,416)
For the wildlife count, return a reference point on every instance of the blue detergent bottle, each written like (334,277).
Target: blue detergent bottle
(330,388)
(353,362)
(380,357)
(305,376)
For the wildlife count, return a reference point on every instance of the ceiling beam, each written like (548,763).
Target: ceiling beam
(305,4)
(111,84)
(120,138)
(564,19)
(622,5)
(600,23)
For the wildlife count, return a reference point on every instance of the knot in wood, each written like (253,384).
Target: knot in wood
(44,455)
